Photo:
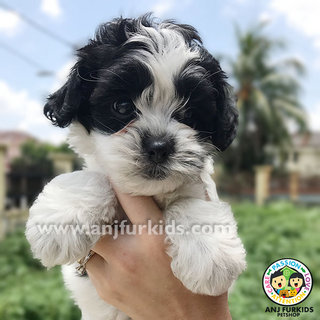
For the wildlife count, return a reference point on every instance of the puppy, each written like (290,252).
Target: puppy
(147,105)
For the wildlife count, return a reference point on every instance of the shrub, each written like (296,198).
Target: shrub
(278,230)
(27,290)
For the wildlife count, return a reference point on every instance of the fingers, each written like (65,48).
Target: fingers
(139,209)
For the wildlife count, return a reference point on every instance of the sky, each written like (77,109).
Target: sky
(24,85)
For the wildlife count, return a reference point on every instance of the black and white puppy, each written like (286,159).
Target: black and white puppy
(147,105)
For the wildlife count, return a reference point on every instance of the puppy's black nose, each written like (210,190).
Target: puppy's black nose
(158,149)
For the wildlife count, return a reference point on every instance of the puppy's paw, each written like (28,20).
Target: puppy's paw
(60,223)
(208,255)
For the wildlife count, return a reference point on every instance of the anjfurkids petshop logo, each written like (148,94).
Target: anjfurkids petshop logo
(287,282)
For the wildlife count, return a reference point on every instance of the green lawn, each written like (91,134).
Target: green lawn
(276,231)
(28,292)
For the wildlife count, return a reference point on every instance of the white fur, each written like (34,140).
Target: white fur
(164,62)
(77,198)
(87,298)
(205,263)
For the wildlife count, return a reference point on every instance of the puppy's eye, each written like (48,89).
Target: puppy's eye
(183,115)
(123,108)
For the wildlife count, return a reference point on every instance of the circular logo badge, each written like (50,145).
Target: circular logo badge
(287,282)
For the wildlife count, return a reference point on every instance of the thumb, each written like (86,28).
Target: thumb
(139,209)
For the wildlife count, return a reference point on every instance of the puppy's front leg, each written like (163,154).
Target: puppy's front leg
(61,223)
(207,254)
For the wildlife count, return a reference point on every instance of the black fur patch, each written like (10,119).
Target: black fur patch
(107,71)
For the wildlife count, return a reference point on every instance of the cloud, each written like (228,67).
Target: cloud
(314,117)
(265,17)
(9,22)
(302,15)
(19,111)
(62,75)
(51,8)
(15,101)
(162,7)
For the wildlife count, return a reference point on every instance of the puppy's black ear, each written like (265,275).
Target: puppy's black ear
(63,105)
(225,122)
(70,102)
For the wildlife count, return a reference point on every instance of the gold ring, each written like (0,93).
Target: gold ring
(81,268)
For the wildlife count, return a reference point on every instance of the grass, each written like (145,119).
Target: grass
(269,233)
(29,292)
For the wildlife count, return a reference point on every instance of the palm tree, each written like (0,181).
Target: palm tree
(268,99)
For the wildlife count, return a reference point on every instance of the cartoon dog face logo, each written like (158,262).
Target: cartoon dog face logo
(278,281)
(284,293)
(296,280)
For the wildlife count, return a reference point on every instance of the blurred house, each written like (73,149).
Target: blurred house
(304,155)
(297,177)
(300,181)
(28,169)
(16,183)
(13,140)
(26,165)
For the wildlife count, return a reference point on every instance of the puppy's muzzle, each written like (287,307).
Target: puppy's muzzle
(158,149)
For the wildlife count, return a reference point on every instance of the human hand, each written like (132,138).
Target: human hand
(133,273)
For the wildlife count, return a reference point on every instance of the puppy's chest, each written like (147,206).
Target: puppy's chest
(164,200)
(188,191)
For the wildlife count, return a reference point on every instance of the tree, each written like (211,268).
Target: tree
(268,100)
(33,169)
(34,159)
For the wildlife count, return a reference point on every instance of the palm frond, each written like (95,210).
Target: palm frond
(268,95)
